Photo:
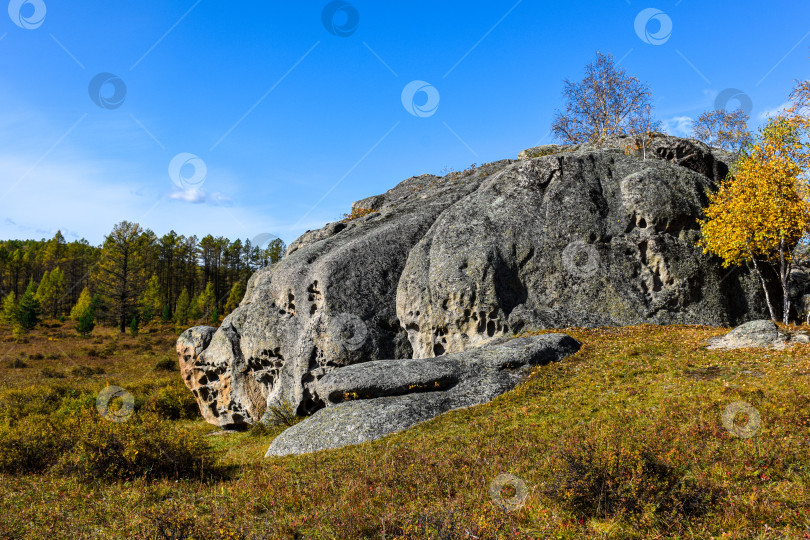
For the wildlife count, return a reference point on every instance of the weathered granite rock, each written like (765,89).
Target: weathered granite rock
(581,236)
(226,397)
(370,400)
(330,302)
(577,238)
(761,333)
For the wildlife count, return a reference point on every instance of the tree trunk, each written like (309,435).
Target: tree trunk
(764,286)
(784,279)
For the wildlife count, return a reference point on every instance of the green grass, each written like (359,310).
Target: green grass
(623,440)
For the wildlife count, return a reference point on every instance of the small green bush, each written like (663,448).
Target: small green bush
(36,356)
(108,349)
(17,363)
(167,363)
(86,371)
(50,373)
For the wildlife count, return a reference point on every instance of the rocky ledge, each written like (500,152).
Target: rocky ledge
(367,401)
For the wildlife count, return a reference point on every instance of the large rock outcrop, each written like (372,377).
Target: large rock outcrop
(565,236)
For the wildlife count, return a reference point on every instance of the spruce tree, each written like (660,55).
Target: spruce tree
(29,308)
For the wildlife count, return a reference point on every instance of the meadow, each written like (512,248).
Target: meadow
(625,439)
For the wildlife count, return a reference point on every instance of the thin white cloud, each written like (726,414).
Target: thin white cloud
(200,196)
(193,196)
(680,126)
(770,113)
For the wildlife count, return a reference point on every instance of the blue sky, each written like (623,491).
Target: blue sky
(275,122)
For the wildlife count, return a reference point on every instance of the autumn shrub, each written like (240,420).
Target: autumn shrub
(282,414)
(17,363)
(172,402)
(604,473)
(50,373)
(86,371)
(173,520)
(144,446)
(167,363)
(259,429)
(35,400)
(33,444)
(108,349)
(357,213)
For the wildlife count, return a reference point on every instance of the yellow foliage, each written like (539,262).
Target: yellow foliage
(762,210)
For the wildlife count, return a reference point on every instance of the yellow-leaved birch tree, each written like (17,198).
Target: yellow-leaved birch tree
(761,213)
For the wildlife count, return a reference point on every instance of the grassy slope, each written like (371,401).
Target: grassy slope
(650,388)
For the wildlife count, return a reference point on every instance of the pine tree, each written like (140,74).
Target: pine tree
(51,290)
(121,271)
(237,293)
(10,312)
(206,302)
(182,307)
(167,313)
(133,327)
(29,308)
(151,300)
(194,312)
(84,313)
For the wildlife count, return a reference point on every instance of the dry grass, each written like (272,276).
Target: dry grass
(622,440)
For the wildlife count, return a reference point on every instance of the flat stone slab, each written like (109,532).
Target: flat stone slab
(370,400)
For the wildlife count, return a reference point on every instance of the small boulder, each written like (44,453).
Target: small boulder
(762,333)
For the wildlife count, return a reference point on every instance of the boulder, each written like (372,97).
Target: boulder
(760,333)
(370,400)
(578,236)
